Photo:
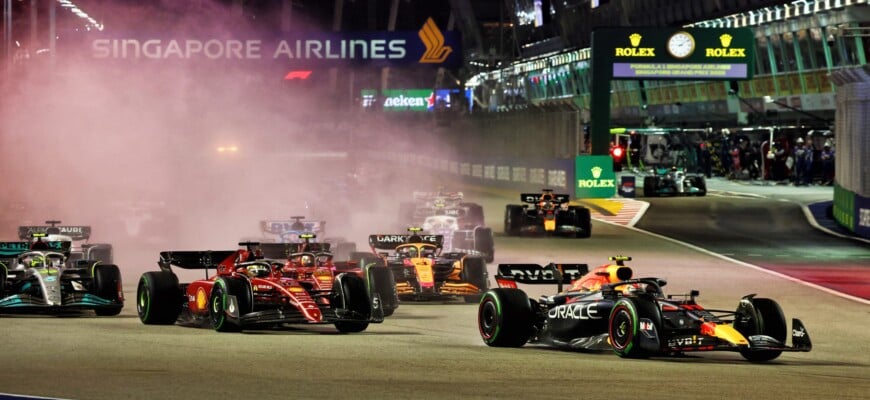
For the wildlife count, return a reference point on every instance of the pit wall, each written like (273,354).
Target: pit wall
(852,161)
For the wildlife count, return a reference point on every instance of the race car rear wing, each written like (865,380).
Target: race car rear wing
(207,259)
(390,242)
(508,275)
(533,198)
(284,250)
(279,226)
(74,232)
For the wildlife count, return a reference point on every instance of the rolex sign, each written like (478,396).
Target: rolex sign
(595,177)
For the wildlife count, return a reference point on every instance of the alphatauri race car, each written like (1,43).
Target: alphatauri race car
(39,277)
(248,291)
(673,182)
(449,215)
(608,309)
(291,231)
(547,213)
(422,271)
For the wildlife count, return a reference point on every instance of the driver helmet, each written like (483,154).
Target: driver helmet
(258,271)
(412,252)
(306,260)
(35,261)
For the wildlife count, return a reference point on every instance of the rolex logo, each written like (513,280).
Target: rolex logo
(725,39)
(635,39)
(596,172)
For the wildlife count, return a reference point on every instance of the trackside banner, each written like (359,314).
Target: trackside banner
(427,46)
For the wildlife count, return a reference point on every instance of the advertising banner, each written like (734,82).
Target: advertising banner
(595,177)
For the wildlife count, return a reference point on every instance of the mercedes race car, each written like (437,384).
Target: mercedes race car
(77,235)
(608,309)
(248,291)
(449,215)
(422,271)
(40,277)
(291,230)
(673,181)
(547,213)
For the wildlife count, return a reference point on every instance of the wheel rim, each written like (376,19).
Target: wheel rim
(217,308)
(488,319)
(621,329)
(142,306)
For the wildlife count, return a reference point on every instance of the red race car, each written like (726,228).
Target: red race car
(249,291)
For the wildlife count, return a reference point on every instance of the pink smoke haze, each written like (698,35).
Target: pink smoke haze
(131,148)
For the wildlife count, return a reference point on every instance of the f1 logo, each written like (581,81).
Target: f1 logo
(433,39)
(297,74)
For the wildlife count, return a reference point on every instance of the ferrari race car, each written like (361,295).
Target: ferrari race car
(606,308)
(673,181)
(547,213)
(290,231)
(447,214)
(40,277)
(74,234)
(422,271)
(248,291)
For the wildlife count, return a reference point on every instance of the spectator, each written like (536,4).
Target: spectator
(803,157)
(827,157)
(705,160)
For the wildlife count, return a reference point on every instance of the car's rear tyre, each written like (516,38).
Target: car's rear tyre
(514,216)
(583,221)
(473,215)
(650,188)
(623,328)
(350,295)
(107,285)
(474,272)
(505,318)
(158,298)
(381,281)
(484,242)
(220,304)
(760,316)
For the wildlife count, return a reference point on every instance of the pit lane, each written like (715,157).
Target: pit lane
(433,350)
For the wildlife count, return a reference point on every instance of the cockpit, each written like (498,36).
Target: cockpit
(40,259)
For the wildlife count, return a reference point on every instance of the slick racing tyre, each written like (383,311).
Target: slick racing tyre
(473,215)
(158,298)
(505,318)
(107,285)
(381,281)
(582,221)
(623,329)
(474,272)
(514,219)
(484,243)
(650,188)
(350,295)
(221,307)
(759,316)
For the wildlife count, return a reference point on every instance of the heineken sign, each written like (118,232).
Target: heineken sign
(401,99)
(595,177)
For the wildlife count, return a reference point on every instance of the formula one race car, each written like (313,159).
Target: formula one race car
(549,213)
(422,271)
(40,277)
(291,230)
(606,308)
(251,292)
(673,181)
(307,258)
(447,214)
(79,251)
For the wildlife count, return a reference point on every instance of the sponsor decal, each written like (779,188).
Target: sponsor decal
(433,40)
(687,341)
(296,289)
(201,299)
(646,325)
(575,311)
(864,217)
(262,287)
(635,50)
(798,333)
(725,50)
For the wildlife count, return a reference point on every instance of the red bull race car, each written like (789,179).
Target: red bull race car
(608,309)
(248,291)
(547,213)
(421,271)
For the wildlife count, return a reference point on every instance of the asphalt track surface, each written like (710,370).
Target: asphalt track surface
(433,350)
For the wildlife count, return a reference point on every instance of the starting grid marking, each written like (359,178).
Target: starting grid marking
(629,213)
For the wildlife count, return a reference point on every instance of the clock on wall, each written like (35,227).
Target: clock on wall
(681,44)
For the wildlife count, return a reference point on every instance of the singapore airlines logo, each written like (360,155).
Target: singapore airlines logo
(433,39)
